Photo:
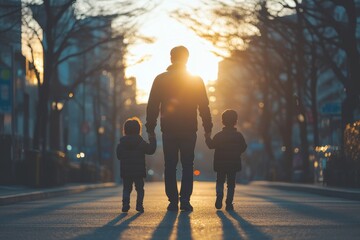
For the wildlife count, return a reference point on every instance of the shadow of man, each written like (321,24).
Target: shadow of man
(184,226)
(166,226)
(110,230)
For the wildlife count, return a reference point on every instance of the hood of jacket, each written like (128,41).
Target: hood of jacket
(131,141)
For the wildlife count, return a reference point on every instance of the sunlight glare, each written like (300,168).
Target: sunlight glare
(169,33)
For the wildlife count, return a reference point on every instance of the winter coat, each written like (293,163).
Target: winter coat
(178,95)
(229,144)
(131,152)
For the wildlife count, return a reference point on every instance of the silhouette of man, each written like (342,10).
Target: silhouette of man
(177,95)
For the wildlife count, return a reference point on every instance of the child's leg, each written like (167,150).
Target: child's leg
(220,180)
(230,187)
(127,188)
(139,187)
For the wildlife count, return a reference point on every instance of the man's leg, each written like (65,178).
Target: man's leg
(171,157)
(127,188)
(187,146)
(220,180)
(139,187)
(230,190)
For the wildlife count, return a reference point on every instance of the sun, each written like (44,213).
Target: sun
(170,33)
(203,63)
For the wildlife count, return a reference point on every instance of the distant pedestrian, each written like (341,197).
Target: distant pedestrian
(229,144)
(178,95)
(131,152)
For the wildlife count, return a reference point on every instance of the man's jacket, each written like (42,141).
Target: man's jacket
(177,95)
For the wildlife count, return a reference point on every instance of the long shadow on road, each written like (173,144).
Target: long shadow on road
(184,226)
(250,230)
(110,230)
(308,210)
(228,228)
(165,227)
(167,224)
(230,231)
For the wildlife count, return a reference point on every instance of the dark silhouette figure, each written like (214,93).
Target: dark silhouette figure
(131,152)
(177,95)
(229,144)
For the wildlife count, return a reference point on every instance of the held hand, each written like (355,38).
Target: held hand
(207,135)
(151,135)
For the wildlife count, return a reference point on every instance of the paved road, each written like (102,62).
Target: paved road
(260,213)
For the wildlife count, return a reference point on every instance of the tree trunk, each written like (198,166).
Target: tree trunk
(313,96)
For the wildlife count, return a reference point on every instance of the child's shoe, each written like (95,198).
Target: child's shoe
(218,202)
(140,208)
(125,208)
(229,207)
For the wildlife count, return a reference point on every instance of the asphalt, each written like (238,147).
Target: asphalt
(15,194)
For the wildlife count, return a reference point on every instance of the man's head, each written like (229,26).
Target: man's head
(179,54)
(229,118)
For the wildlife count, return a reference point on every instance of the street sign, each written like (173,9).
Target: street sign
(331,108)
(5,90)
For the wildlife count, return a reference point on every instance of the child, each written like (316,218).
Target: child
(229,144)
(131,152)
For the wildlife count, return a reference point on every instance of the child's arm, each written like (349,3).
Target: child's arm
(210,142)
(150,148)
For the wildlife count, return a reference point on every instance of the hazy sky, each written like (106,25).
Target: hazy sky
(169,33)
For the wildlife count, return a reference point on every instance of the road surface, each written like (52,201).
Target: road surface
(260,213)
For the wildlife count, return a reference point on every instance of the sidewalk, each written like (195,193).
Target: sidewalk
(14,194)
(347,193)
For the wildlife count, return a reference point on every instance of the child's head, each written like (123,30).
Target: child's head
(132,126)
(229,118)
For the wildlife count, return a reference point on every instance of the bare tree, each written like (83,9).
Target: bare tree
(278,55)
(62,23)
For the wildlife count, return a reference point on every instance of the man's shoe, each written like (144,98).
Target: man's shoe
(229,207)
(125,208)
(173,207)
(140,208)
(218,203)
(186,206)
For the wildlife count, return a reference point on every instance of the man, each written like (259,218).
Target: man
(178,95)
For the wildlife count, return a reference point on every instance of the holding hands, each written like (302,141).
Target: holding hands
(207,135)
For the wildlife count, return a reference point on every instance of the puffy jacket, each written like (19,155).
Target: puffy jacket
(229,144)
(131,152)
(178,95)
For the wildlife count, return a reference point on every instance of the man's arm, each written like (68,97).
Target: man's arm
(204,109)
(243,144)
(150,147)
(152,110)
